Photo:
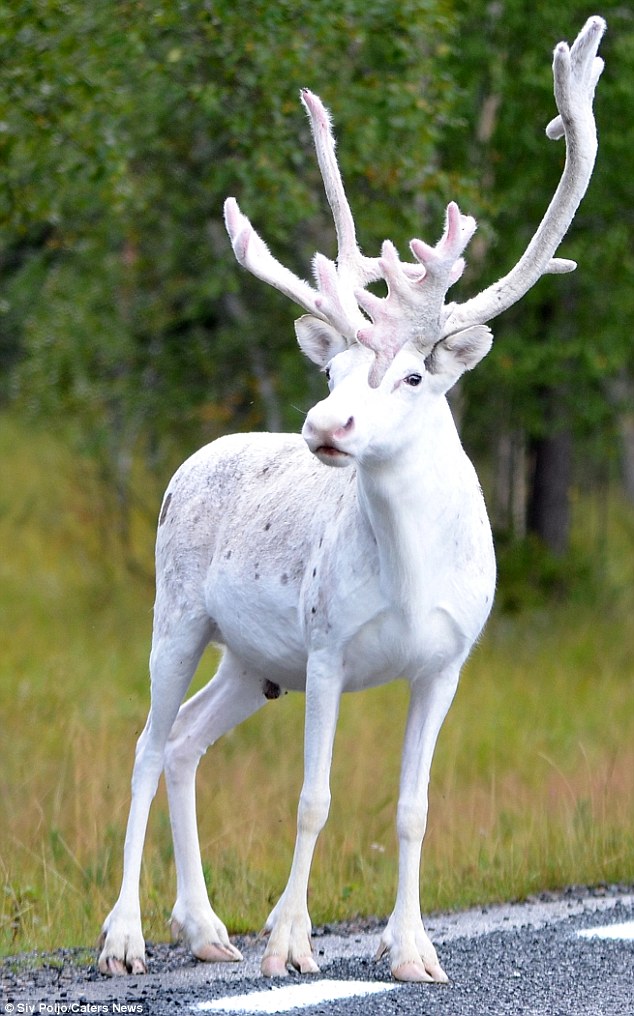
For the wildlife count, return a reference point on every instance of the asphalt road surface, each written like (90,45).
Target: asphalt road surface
(531,958)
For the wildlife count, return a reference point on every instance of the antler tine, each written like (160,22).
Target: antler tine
(253,254)
(443,263)
(333,301)
(576,72)
(412,309)
(351,263)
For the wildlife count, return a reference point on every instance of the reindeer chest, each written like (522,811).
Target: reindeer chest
(399,610)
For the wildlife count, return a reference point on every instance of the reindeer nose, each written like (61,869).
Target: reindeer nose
(347,427)
(325,432)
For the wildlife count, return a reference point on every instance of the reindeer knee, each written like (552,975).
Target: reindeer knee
(313,812)
(411,820)
(181,759)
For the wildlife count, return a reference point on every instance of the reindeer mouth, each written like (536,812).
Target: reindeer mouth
(332,456)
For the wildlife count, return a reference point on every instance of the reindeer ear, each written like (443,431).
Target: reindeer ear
(318,340)
(452,356)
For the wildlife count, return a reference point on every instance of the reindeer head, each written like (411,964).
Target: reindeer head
(412,337)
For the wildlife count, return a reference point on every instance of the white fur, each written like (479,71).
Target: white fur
(319,580)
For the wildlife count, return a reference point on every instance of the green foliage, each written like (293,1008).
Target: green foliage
(531,576)
(570,333)
(124,128)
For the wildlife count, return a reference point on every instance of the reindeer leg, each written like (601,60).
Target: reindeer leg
(289,922)
(176,652)
(412,955)
(230,697)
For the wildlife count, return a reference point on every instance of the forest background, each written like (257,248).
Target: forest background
(129,337)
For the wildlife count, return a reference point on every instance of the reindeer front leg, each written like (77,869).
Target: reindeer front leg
(412,955)
(289,922)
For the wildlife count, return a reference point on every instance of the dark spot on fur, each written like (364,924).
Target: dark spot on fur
(265,470)
(314,572)
(284,579)
(164,510)
(313,610)
(257,575)
(267,527)
(271,690)
(227,555)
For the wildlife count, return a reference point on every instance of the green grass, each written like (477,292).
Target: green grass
(532,783)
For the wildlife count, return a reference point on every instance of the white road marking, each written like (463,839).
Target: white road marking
(623,932)
(297,996)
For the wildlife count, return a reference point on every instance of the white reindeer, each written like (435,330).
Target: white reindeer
(332,580)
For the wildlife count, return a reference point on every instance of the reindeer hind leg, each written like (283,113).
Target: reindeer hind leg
(176,650)
(233,694)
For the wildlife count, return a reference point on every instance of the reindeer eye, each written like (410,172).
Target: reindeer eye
(413,380)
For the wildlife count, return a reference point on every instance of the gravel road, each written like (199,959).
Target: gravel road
(525,958)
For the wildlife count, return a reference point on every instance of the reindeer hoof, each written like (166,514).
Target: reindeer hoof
(412,973)
(122,950)
(112,966)
(273,966)
(213,952)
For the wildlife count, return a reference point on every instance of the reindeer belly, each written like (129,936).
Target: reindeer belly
(256,617)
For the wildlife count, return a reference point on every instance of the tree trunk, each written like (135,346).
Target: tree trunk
(622,392)
(266,391)
(626,430)
(549,500)
(509,492)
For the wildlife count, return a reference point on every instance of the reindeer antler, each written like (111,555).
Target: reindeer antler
(576,72)
(416,292)
(333,301)
(414,309)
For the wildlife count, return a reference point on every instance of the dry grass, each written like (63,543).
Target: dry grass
(531,788)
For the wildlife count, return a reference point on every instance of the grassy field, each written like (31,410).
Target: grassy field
(532,785)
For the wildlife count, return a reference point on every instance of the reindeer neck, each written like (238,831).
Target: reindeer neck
(413,504)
